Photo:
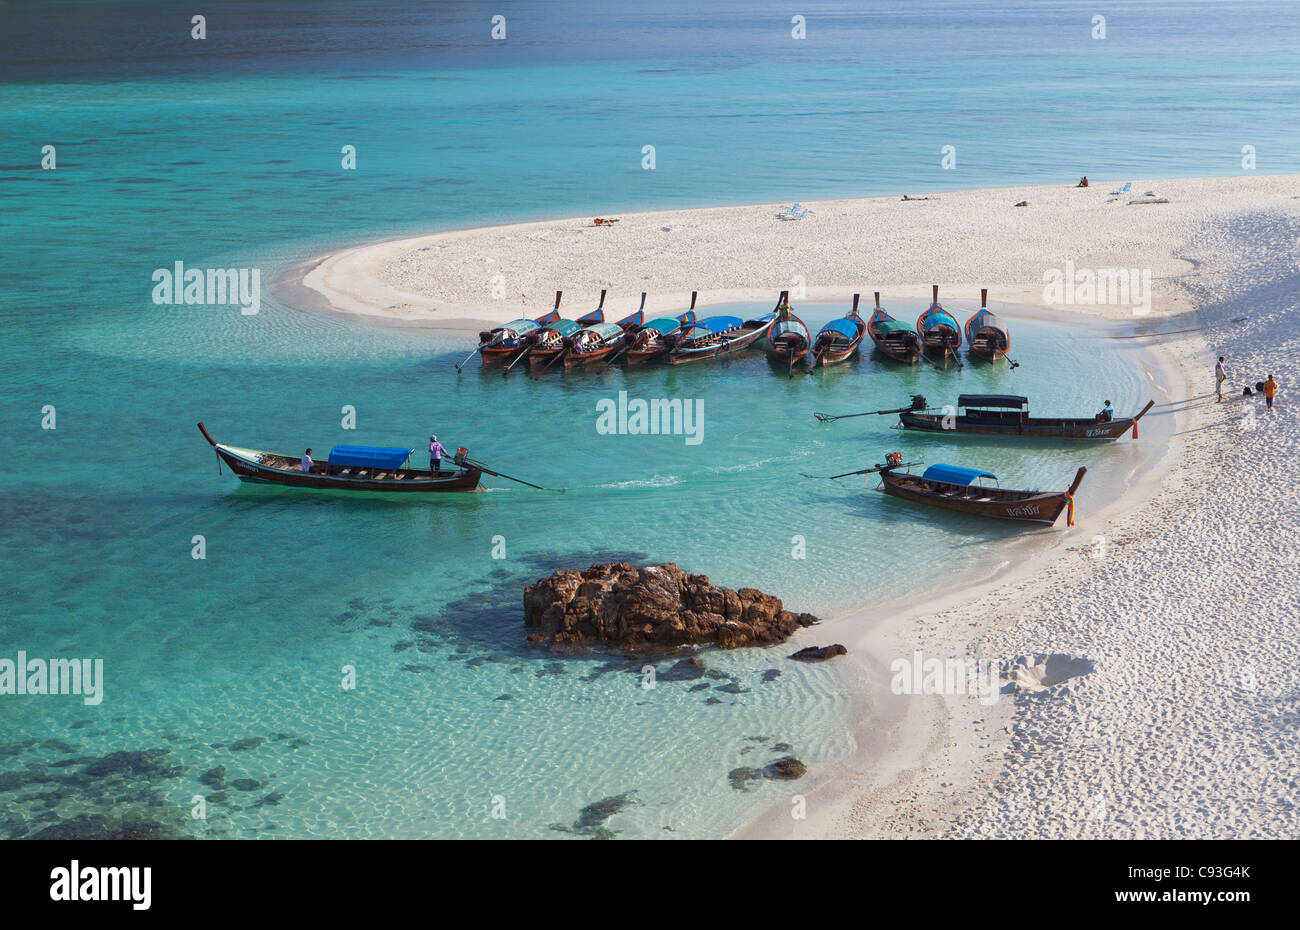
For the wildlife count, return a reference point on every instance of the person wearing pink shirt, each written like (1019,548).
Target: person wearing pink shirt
(436,452)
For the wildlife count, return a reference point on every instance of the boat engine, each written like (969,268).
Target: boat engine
(918,402)
(460,456)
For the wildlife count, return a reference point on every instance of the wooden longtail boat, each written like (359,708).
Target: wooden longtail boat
(986,335)
(656,337)
(349,468)
(954,488)
(788,339)
(839,339)
(598,344)
(551,341)
(715,336)
(892,337)
(940,335)
(504,342)
(1008,415)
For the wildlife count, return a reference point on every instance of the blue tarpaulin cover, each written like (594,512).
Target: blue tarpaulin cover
(369,456)
(843,326)
(955,474)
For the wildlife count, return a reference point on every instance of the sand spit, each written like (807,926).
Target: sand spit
(1175,611)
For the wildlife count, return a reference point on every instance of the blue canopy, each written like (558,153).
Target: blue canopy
(937,317)
(564,327)
(519,327)
(955,474)
(843,326)
(369,456)
(716,324)
(663,326)
(604,330)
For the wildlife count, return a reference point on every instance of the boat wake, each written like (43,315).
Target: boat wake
(658,481)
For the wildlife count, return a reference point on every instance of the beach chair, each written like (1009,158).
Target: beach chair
(796,212)
(1128,186)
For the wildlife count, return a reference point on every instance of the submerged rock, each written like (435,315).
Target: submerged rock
(654,607)
(787,768)
(819,653)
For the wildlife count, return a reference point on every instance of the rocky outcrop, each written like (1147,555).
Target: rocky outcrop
(819,653)
(656,606)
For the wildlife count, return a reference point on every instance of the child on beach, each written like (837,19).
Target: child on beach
(1220,376)
(1269,390)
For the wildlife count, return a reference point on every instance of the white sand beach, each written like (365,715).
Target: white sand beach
(1177,606)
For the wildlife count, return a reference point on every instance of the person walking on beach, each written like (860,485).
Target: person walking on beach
(1269,390)
(436,452)
(307,463)
(1220,376)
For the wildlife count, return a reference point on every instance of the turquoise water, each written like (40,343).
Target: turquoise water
(227,154)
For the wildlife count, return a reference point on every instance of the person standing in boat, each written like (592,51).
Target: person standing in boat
(436,452)
(307,463)
(1220,376)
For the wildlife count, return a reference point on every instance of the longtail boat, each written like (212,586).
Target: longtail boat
(349,468)
(938,330)
(1008,415)
(655,338)
(959,489)
(355,468)
(839,339)
(788,339)
(893,337)
(986,335)
(552,341)
(715,336)
(504,342)
(599,343)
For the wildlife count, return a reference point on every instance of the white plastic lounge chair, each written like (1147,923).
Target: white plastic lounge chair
(796,212)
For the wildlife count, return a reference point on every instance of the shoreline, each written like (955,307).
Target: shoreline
(878,633)
(937,766)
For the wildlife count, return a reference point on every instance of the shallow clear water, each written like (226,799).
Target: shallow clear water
(228,154)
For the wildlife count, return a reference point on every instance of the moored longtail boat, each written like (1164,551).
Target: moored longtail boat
(788,339)
(596,345)
(986,335)
(959,489)
(1008,415)
(349,468)
(893,337)
(504,342)
(839,339)
(655,338)
(940,335)
(716,336)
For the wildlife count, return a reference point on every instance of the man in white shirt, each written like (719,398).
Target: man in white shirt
(307,463)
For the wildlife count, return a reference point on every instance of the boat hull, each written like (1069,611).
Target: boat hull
(632,357)
(685,354)
(1013,426)
(1041,509)
(591,359)
(418,480)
